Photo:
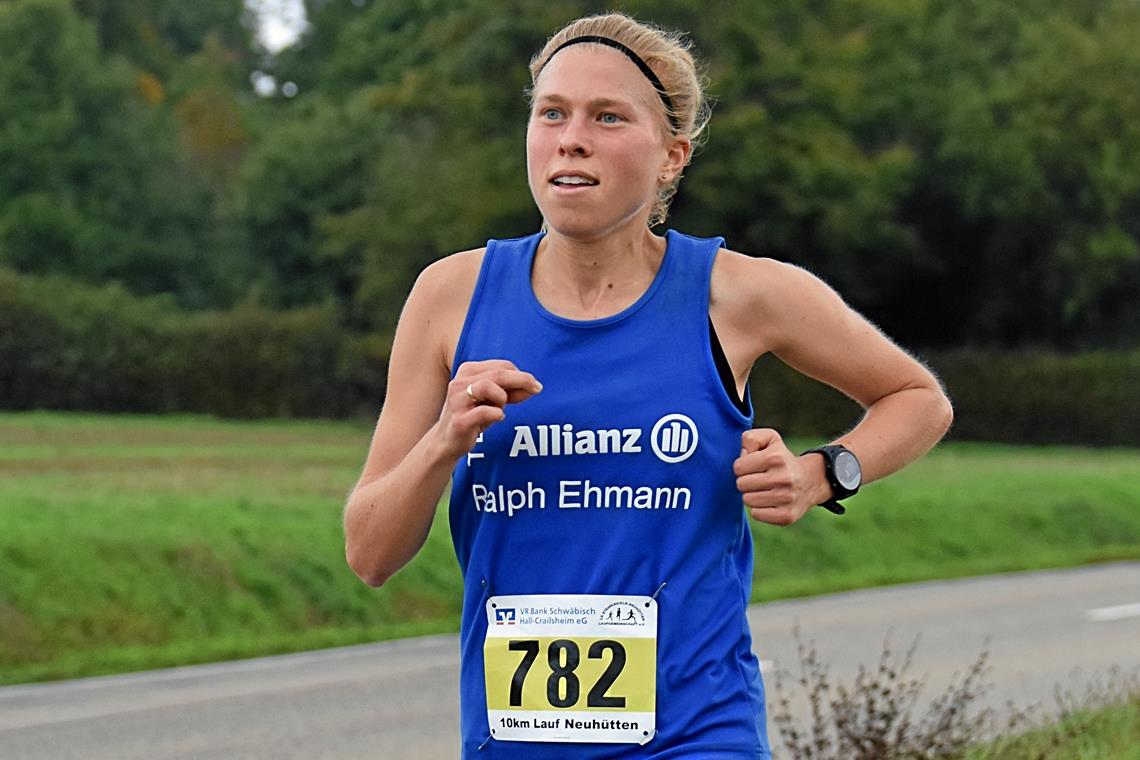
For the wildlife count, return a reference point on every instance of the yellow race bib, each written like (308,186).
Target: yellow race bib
(571,668)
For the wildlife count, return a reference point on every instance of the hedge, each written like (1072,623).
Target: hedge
(1029,396)
(64,345)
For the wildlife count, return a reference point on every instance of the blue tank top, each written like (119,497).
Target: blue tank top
(615,479)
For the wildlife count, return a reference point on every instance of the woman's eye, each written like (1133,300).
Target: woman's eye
(610,118)
(550,113)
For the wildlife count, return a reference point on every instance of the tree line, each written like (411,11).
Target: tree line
(962,171)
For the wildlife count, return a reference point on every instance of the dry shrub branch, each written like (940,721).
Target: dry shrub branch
(875,719)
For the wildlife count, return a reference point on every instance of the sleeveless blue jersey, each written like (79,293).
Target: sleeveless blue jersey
(631,404)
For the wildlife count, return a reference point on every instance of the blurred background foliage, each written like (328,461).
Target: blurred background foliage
(965,172)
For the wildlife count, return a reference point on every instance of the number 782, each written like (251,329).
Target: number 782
(563,687)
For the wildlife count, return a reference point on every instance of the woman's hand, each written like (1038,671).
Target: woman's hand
(476,398)
(778,486)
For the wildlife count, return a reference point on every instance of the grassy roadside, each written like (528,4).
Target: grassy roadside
(965,509)
(881,713)
(134,542)
(1107,733)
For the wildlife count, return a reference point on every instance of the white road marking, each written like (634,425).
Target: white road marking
(1120,612)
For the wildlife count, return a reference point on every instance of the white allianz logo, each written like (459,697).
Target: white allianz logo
(674,439)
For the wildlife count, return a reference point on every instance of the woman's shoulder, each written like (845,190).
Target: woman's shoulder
(452,271)
(757,296)
(447,280)
(744,283)
(451,280)
(442,294)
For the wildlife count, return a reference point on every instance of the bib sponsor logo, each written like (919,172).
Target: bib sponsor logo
(505,616)
(621,613)
(674,438)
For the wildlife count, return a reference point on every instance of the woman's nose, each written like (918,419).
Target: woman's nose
(574,139)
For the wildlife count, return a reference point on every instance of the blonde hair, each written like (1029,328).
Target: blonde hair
(668,55)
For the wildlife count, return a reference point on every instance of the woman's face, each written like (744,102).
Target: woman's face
(596,117)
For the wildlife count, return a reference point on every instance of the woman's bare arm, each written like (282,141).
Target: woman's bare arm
(800,319)
(428,421)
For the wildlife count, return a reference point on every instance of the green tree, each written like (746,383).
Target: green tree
(89,183)
(397,160)
(1029,159)
(156,35)
(962,171)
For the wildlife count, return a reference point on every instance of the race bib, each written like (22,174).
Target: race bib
(571,668)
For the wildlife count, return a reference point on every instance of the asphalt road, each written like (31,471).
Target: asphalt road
(398,699)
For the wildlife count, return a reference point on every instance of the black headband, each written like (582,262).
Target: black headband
(648,72)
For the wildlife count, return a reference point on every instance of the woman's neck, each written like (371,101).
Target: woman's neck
(590,279)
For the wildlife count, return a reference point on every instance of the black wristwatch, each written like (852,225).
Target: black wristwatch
(843,473)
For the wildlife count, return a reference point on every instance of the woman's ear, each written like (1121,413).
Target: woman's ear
(677,158)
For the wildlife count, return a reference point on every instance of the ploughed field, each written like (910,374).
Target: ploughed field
(133,542)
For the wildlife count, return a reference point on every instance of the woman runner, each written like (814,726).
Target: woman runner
(584,389)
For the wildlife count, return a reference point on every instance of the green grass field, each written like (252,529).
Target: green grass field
(135,542)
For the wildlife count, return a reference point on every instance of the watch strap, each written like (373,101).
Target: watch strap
(831,505)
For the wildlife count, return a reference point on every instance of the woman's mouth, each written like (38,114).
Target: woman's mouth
(572,183)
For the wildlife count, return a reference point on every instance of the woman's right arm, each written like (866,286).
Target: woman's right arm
(427,422)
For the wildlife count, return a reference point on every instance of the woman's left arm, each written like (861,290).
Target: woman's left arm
(797,317)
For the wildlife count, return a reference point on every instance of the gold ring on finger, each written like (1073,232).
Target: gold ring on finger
(470,393)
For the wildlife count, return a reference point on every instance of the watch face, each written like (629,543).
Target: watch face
(847,470)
